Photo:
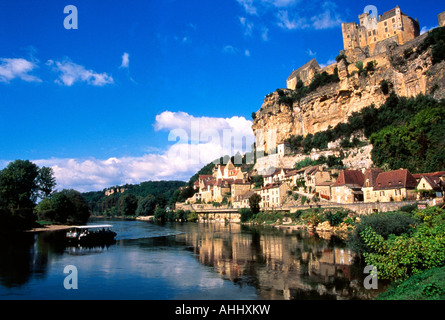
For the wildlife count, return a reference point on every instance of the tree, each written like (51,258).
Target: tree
(146,206)
(69,207)
(18,184)
(128,204)
(254,203)
(46,182)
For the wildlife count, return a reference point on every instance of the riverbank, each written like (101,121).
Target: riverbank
(50,227)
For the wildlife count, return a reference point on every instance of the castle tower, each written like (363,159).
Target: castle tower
(441,19)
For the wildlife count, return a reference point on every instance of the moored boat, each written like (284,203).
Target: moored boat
(91,234)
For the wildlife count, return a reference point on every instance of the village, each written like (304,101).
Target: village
(229,186)
(289,186)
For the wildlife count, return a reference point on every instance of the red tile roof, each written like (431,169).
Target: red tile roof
(396,179)
(371,176)
(353,178)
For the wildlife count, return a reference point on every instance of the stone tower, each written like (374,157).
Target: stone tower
(441,19)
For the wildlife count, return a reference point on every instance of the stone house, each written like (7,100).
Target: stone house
(272,195)
(397,185)
(431,184)
(242,201)
(348,187)
(238,188)
(368,186)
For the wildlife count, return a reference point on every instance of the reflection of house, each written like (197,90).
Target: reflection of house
(395,185)
(272,195)
(348,187)
(370,179)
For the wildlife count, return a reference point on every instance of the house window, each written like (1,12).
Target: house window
(386,29)
(382,193)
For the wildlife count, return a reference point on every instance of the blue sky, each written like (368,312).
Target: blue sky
(98,103)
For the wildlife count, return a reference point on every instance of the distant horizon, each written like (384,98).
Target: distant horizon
(149,91)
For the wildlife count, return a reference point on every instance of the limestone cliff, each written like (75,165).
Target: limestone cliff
(408,73)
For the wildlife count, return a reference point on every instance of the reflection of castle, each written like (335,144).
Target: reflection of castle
(275,263)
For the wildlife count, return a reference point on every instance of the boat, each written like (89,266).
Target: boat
(91,234)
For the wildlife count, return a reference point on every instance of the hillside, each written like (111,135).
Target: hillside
(417,67)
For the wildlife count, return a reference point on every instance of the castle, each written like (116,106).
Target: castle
(393,26)
(366,40)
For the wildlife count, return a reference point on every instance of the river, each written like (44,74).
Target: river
(183,261)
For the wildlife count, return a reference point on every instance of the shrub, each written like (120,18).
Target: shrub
(383,224)
(400,257)
(335,218)
(384,86)
(245,214)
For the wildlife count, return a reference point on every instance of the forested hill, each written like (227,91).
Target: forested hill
(158,193)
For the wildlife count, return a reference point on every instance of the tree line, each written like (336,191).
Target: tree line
(137,200)
(23,184)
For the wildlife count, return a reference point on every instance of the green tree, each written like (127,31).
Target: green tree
(254,203)
(46,182)
(18,184)
(128,203)
(146,206)
(69,207)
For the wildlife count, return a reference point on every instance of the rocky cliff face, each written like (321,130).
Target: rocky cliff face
(408,73)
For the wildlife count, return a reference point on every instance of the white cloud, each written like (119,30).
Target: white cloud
(201,141)
(247,26)
(248,6)
(125,60)
(230,49)
(426,29)
(294,14)
(71,73)
(287,23)
(326,20)
(311,53)
(247,53)
(198,127)
(11,68)
(265,34)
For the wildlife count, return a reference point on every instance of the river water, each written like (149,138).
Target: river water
(183,261)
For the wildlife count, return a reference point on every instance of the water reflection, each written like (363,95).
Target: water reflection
(281,264)
(184,261)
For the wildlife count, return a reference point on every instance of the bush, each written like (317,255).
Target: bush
(335,218)
(384,224)
(400,257)
(245,214)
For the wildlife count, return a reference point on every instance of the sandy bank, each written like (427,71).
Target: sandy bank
(49,228)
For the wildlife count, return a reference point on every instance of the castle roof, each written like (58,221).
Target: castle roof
(312,63)
(396,179)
